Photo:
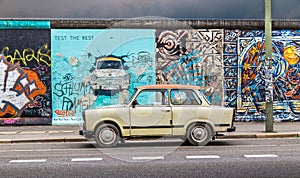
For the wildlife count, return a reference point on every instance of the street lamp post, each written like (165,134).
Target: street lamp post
(268,67)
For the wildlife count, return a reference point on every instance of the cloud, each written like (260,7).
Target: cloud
(205,9)
(285,9)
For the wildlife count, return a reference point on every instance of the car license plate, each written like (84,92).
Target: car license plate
(109,87)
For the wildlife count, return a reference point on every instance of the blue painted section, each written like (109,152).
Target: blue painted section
(24,24)
(74,53)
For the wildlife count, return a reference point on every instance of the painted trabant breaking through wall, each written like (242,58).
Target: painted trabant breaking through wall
(109,75)
(159,111)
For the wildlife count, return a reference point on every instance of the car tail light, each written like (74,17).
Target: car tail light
(233,115)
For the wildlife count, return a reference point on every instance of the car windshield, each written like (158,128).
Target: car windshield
(109,65)
(131,96)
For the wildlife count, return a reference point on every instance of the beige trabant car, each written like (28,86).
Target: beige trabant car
(159,111)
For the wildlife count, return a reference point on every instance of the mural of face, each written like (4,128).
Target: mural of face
(252,78)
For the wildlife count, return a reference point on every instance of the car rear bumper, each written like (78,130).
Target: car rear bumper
(231,129)
(86,133)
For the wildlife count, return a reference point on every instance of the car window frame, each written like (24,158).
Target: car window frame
(193,93)
(164,96)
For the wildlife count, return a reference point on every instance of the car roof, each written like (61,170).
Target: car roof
(108,59)
(169,86)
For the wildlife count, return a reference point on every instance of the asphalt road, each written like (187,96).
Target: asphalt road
(222,158)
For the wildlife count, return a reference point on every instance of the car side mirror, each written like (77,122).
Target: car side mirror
(134,103)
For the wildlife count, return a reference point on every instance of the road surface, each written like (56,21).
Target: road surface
(222,158)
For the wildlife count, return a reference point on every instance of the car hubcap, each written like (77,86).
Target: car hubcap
(107,135)
(198,134)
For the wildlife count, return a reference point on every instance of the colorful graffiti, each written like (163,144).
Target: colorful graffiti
(89,76)
(47,74)
(249,92)
(191,57)
(42,56)
(19,88)
(25,73)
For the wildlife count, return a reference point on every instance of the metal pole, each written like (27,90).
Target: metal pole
(268,73)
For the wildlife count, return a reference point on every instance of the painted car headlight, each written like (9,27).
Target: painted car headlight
(126,77)
(93,77)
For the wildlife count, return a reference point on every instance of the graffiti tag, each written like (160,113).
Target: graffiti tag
(42,55)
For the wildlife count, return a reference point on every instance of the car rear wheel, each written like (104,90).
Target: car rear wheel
(107,135)
(199,134)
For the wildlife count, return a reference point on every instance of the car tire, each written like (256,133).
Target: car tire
(199,134)
(107,135)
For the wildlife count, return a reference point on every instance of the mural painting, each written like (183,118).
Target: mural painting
(25,77)
(191,57)
(93,68)
(47,82)
(245,85)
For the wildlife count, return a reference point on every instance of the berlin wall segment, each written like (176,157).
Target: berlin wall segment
(47,71)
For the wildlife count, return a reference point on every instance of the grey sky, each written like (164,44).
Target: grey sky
(189,9)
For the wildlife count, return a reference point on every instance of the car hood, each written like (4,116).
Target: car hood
(109,73)
(118,112)
(113,106)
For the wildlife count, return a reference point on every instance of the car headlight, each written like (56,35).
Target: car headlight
(126,77)
(93,77)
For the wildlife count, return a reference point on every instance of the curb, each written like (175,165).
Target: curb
(38,132)
(83,139)
(277,135)
(261,135)
(237,136)
(35,140)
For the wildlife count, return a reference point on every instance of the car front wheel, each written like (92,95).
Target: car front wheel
(107,135)
(199,134)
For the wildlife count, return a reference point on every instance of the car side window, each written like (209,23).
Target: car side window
(152,98)
(184,97)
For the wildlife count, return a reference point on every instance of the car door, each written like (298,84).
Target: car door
(185,108)
(151,114)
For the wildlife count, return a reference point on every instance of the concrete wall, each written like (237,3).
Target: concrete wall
(48,64)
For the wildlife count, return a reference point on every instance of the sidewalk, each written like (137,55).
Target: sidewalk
(21,134)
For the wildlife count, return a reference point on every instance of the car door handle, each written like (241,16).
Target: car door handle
(166,110)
